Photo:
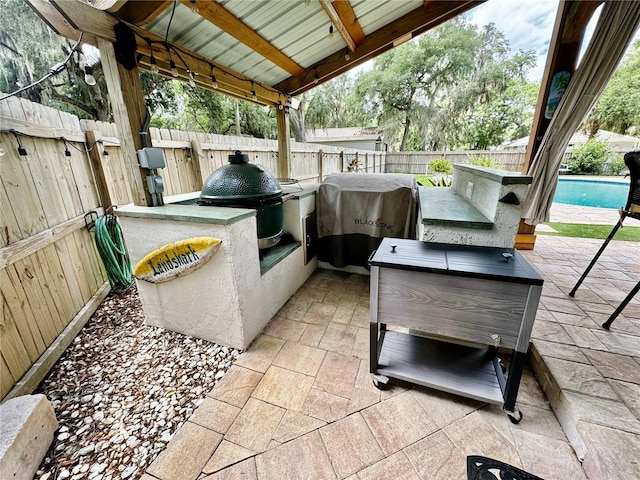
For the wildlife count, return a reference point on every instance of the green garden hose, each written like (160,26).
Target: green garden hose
(112,250)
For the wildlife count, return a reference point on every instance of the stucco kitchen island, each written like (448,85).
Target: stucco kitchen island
(231,297)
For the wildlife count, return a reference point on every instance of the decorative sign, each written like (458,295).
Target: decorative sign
(176,259)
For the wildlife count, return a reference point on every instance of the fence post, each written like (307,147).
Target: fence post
(97,161)
(366,163)
(342,161)
(196,148)
(320,166)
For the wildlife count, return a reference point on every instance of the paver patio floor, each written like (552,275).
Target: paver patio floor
(300,403)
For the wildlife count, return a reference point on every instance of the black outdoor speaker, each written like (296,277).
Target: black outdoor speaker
(125,46)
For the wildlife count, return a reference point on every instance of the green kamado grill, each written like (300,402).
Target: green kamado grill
(241,184)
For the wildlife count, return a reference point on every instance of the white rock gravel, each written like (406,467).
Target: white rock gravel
(121,391)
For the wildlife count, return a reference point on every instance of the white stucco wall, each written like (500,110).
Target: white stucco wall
(226,301)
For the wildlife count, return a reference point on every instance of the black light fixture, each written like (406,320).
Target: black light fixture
(67,152)
(21,150)
(214,81)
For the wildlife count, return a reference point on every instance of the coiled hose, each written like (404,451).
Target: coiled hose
(112,250)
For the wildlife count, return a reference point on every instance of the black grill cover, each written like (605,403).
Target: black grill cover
(357,210)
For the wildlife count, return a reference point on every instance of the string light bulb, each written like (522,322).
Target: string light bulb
(330,31)
(214,81)
(192,80)
(347,57)
(154,64)
(194,6)
(253,92)
(2,150)
(174,69)
(88,76)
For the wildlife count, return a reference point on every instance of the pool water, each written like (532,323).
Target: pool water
(592,193)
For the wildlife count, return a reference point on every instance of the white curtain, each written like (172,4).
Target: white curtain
(618,21)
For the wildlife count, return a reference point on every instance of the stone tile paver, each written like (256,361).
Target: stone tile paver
(581,378)
(304,457)
(619,342)
(350,445)
(294,425)
(285,329)
(560,350)
(284,388)
(436,457)
(398,422)
(602,411)
(337,374)
(191,447)
(255,425)
(226,454)
(339,338)
(244,470)
(325,406)
(476,436)
(215,415)
(312,334)
(236,386)
(583,337)
(629,394)
(300,358)
(615,366)
(444,408)
(612,454)
(261,353)
(535,451)
(397,467)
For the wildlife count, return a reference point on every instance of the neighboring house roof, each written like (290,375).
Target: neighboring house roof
(612,138)
(344,134)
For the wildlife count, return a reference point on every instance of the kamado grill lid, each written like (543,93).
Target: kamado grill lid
(240,180)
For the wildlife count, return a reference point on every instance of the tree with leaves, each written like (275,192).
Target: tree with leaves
(618,108)
(452,77)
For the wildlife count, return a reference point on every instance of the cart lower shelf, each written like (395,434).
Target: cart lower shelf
(461,370)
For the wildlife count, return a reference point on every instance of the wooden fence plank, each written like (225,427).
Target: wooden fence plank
(6,379)
(14,304)
(43,317)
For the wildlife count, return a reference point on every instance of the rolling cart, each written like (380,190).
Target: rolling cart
(440,312)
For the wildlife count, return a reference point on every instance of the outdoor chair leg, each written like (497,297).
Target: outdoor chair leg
(624,303)
(572,293)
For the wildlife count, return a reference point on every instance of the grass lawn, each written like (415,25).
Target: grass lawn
(422,179)
(580,230)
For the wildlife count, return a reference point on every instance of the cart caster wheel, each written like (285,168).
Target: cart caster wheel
(515,416)
(380,381)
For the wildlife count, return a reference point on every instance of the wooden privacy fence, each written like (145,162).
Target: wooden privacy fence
(418,162)
(51,277)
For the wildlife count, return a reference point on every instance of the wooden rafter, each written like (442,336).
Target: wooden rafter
(100,24)
(226,21)
(349,20)
(327,6)
(414,23)
(141,13)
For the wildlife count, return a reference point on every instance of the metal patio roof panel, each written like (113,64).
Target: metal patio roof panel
(375,15)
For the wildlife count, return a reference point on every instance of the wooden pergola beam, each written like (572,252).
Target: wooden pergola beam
(348,18)
(98,24)
(141,13)
(226,21)
(568,32)
(414,23)
(327,6)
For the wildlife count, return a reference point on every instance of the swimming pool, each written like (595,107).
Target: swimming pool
(592,193)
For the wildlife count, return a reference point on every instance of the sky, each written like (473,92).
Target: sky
(527,24)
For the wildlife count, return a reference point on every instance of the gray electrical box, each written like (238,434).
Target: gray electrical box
(155,184)
(151,157)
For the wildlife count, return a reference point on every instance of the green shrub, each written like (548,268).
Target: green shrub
(484,161)
(440,181)
(441,165)
(616,165)
(589,158)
